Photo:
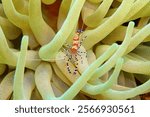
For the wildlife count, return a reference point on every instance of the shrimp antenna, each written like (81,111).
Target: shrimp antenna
(82,26)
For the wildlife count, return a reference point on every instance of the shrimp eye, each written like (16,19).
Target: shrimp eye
(79,31)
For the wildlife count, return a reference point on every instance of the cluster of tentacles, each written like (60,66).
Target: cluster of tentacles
(33,34)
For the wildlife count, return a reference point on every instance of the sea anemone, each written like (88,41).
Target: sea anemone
(35,38)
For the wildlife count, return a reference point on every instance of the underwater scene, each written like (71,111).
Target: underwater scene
(75,50)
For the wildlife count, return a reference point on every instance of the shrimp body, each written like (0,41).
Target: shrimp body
(73,51)
(75,44)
